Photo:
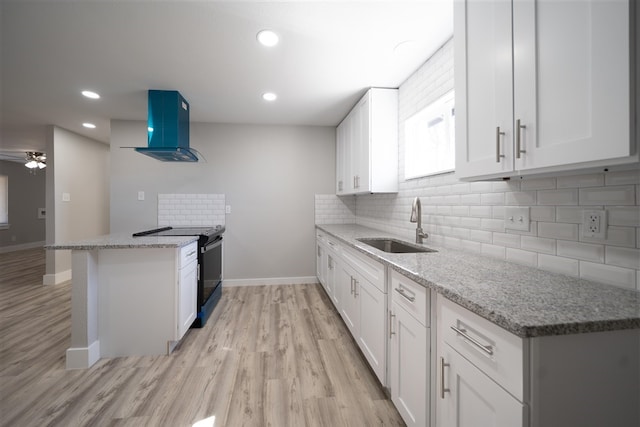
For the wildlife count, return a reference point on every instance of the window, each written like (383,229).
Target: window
(430,139)
(4,201)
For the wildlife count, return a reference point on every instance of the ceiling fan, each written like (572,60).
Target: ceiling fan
(33,160)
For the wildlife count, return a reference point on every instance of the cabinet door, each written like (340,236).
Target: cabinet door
(336,292)
(471,398)
(571,88)
(483,80)
(361,162)
(321,263)
(187,297)
(342,158)
(409,362)
(372,335)
(349,306)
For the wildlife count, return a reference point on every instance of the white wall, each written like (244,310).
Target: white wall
(78,166)
(470,215)
(26,195)
(269,175)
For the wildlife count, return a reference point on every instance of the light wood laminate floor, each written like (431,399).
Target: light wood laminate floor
(269,356)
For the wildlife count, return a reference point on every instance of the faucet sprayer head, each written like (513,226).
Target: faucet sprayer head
(416,209)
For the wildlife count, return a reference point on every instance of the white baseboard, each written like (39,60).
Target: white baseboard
(305,280)
(20,247)
(83,357)
(56,278)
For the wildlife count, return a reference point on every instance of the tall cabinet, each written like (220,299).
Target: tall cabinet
(542,86)
(367,145)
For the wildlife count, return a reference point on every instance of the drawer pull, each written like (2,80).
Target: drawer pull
(404,294)
(442,389)
(391,316)
(486,348)
(191,253)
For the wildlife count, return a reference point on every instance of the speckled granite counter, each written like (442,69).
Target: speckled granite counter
(523,300)
(126,241)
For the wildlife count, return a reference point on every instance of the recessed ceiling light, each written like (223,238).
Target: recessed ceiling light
(268,38)
(90,94)
(89,125)
(269,96)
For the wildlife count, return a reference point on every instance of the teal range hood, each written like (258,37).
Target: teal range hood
(168,128)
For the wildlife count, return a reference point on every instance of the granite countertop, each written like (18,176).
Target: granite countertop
(523,300)
(125,241)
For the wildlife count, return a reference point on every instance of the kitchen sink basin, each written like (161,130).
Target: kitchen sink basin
(394,246)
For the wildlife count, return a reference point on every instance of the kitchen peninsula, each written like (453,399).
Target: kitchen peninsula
(130,296)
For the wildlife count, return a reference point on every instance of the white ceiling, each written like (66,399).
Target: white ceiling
(329,53)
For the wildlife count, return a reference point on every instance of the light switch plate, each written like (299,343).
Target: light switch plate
(66,197)
(516,218)
(140,195)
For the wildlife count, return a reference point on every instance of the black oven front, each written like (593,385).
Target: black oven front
(209,277)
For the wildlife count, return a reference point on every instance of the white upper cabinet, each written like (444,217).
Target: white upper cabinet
(542,86)
(367,145)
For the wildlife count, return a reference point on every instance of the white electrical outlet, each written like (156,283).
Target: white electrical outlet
(227,209)
(594,224)
(141,195)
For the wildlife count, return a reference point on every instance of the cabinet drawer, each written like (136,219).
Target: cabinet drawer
(369,269)
(411,296)
(333,245)
(188,254)
(496,352)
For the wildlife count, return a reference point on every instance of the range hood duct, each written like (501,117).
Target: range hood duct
(168,128)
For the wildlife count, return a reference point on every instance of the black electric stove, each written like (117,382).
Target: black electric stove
(209,264)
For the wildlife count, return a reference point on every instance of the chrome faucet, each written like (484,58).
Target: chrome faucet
(416,216)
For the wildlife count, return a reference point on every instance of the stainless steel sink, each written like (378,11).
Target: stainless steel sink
(394,246)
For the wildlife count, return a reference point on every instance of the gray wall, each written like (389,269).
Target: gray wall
(79,166)
(26,195)
(269,175)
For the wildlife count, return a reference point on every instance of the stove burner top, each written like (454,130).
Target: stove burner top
(183,231)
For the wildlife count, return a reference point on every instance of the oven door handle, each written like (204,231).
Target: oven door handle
(216,243)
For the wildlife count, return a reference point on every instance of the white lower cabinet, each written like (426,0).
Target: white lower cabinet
(469,398)
(187,288)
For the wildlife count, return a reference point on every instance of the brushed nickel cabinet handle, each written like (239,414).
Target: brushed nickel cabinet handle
(519,128)
(442,389)
(391,316)
(486,348)
(498,134)
(355,288)
(404,294)
(351,292)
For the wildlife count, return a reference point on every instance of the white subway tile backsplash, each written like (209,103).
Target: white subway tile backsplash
(492,198)
(543,213)
(622,177)
(492,224)
(582,251)
(522,257)
(571,214)
(593,180)
(520,198)
(558,264)
(507,240)
(558,197)
(197,210)
(556,230)
(616,236)
(538,184)
(612,275)
(614,195)
(624,215)
(622,257)
(470,199)
(480,211)
(538,244)
(493,250)
(480,236)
